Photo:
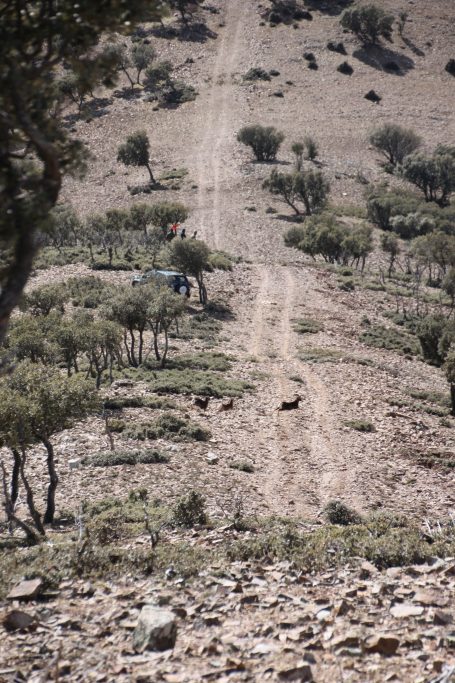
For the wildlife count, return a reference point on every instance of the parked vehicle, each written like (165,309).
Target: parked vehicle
(176,281)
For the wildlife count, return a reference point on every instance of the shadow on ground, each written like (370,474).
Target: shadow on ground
(384,59)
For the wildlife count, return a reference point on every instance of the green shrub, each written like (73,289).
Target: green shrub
(114,458)
(257,74)
(337,512)
(395,142)
(201,383)
(387,338)
(368,22)
(169,427)
(320,355)
(218,260)
(308,326)
(360,425)
(242,466)
(264,141)
(88,291)
(155,402)
(190,511)
(213,361)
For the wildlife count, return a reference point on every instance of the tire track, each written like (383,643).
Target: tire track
(214,149)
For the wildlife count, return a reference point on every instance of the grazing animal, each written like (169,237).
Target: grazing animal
(290,405)
(194,235)
(201,403)
(227,405)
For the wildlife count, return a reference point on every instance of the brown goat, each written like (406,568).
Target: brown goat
(201,403)
(227,405)
(290,405)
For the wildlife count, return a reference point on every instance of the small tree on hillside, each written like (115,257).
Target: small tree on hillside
(53,402)
(128,308)
(191,256)
(185,8)
(65,226)
(308,187)
(391,246)
(142,55)
(165,214)
(311,148)
(369,23)
(101,342)
(298,149)
(395,142)
(140,217)
(15,436)
(264,141)
(165,308)
(74,88)
(44,299)
(434,175)
(135,152)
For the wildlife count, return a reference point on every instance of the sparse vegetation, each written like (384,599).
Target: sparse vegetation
(337,512)
(368,22)
(264,141)
(116,458)
(135,152)
(257,74)
(308,326)
(309,188)
(360,425)
(395,142)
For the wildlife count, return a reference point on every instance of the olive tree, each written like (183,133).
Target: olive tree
(298,149)
(164,310)
(433,174)
(192,256)
(64,226)
(42,300)
(391,246)
(165,214)
(136,152)
(15,435)
(307,187)
(139,57)
(128,308)
(51,403)
(368,22)
(264,141)
(37,39)
(184,7)
(395,142)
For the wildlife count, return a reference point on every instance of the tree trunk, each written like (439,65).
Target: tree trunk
(202,289)
(128,354)
(166,347)
(53,482)
(155,330)
(132,349)
(30,499)
(24,253)
(15,476)
(141,346)
(152,179)
(110,255)
(11,516)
